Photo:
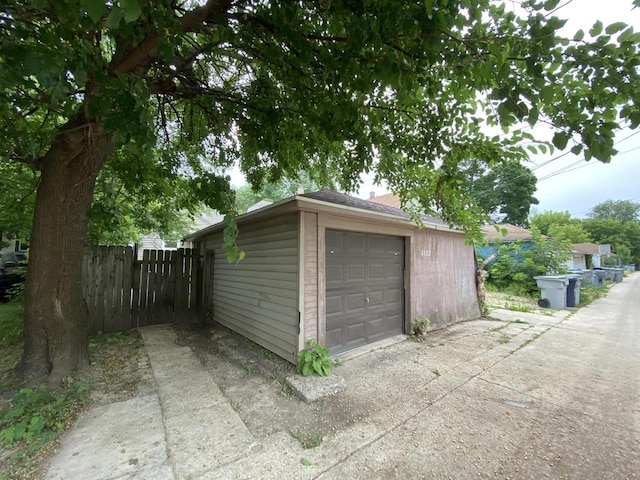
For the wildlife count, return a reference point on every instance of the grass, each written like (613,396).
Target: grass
(519,308)
(590,293)
(309,440)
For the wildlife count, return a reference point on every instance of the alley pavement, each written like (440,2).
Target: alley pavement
(517,395)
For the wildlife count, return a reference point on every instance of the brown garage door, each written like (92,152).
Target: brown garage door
(364,288)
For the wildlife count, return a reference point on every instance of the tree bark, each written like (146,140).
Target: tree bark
(56,315)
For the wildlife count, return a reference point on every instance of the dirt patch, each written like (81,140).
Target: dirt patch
(119,369)
(252,379)
(514,303)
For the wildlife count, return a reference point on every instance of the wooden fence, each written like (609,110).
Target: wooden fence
(123,293)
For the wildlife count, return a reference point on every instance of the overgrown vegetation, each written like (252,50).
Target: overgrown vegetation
(315,359)
(589,293)
(518,262)
(32,417)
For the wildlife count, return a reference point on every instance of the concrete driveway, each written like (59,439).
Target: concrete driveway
(521,395)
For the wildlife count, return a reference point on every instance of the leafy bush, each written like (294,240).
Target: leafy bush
(35,416)
(316,359)
(518,262)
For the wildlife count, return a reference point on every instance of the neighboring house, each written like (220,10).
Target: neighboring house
(153,241)
(493,234)
(388,199)
(8,243)
(584,256)
(339,270)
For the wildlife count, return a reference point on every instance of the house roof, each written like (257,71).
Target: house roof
(388,199)
(588,248)
(347,200)
(334,200)
(513,233)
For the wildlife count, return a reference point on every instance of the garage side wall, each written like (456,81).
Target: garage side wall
(258,297)
(443,278)
(310,275)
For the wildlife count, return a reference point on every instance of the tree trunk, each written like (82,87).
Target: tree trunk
(56,315)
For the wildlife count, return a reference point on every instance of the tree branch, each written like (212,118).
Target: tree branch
(189,22)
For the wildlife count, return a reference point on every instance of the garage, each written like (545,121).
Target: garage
(364,288)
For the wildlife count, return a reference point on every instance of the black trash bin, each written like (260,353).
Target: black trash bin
(571,292)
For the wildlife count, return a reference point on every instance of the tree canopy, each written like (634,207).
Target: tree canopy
(181,91)
(503,192)
(604,227)
(623,210)
(335,87)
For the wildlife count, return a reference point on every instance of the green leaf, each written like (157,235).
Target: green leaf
(560,140)
(596,29)
(132,10)
(95,9)
(615,27)
(533,116)
(113,20)
(579,35)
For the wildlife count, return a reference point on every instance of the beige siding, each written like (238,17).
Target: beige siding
(258,297)
(442,278)
(310,276)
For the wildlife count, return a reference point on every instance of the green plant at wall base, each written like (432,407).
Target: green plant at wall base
(419,327)
(315,359)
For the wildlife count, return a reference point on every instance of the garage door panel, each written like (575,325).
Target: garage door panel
(376,272)
(376,298)
(334,336)
(364,288)
(394,272)
(392,322)
(355,303)
(355,273)
(355,332)
(376,326)
(356,242)
(334,304)
(392,296)
(334,240)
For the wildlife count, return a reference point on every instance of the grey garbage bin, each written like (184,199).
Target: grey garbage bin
(598,278)
(609,273)
(587,277)
(617,274)
(553,289)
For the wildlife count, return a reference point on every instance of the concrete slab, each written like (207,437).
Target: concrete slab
(100,447)
(312,388)
(207,438)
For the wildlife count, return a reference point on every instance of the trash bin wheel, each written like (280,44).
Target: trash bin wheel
(544,303)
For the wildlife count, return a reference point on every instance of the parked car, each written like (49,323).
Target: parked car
(10,273)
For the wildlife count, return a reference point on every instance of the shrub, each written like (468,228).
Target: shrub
(518,262)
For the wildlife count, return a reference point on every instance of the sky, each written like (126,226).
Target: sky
(570,183)
(567,182)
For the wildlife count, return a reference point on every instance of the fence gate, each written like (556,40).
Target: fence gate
(123,293)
